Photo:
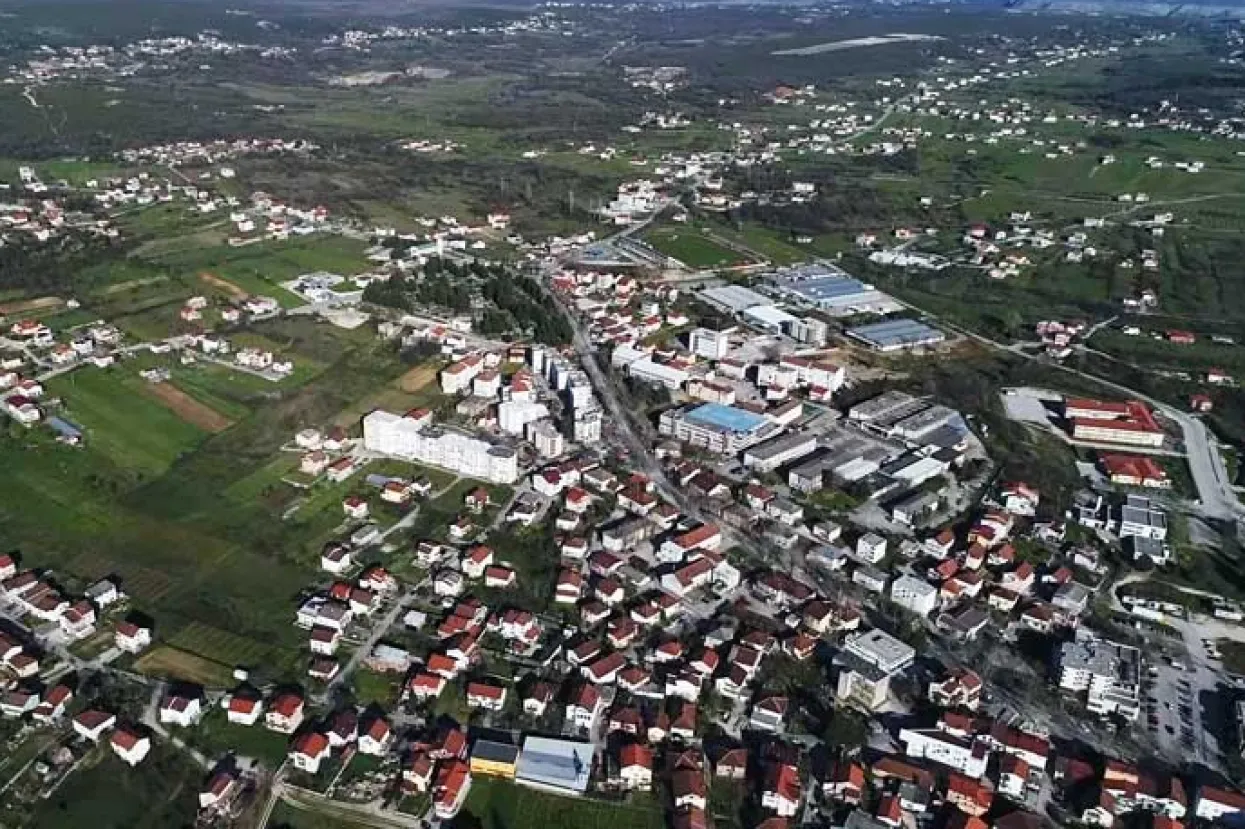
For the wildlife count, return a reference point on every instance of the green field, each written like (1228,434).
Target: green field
(121,421)
(215,736)
(187,521)
(692,248)
(159,793)
(285,816)
(497,804)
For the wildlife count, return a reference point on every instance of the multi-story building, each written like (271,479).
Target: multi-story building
(1109,674)
(867,662)
(412,440)
(768,456)
(916,595)
(726,430)
(709,344)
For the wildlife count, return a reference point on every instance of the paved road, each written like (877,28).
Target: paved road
(378,631)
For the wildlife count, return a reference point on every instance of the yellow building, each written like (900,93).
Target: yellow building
(494,759)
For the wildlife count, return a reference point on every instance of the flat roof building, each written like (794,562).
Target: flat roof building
(829,288)
(719,428)
(881,650)
(896,335)
(734,299)
(562,766)
(413,440)
(768,456)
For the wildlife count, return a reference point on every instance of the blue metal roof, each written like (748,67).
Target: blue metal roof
(727,418)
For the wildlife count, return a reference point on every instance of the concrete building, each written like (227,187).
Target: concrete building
(402,437)
(726,430)
(968,757)
(768,456)
(561,766)
(1109,674)
(916,595)
(710,344)
(867,662)
(1141,517)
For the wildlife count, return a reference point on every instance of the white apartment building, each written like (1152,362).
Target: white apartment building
(1109,674)
(405,438)
(916,595)
(710,344)
(968,757)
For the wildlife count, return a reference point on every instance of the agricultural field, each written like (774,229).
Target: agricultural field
(497,804)
(124,418)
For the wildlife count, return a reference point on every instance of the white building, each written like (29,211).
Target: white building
(513,416)
(709,344)
(1109,674)
(968,757)
(914,594)
(402,437)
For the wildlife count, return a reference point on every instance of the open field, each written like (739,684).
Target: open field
(28,306)
(189,409)
(418,377)
(496,804)
(693,248)
(224,285)
(170,663)
(133,429)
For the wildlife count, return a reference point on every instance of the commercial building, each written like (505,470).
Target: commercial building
(832,290)
(726,430)
(768,456)
(733,299)
(709,344)
(414,440)
(560,766)
(1109,674)
(641,365)
(896,335)
(494,759)
(1130,423)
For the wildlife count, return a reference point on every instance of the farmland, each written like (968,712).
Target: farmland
(496,804)
(123,421)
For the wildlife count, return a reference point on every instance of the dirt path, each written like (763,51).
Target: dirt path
(224,284)
(189,409)
(23,306)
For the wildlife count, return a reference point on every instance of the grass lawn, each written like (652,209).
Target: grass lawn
(285,816)
(216,736)
(159,793)
(370,687)
(121,421)
(692,248)
(497,804)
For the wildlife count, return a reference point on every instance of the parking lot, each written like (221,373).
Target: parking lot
(1183,698)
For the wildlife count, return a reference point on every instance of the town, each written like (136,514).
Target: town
(633,431)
